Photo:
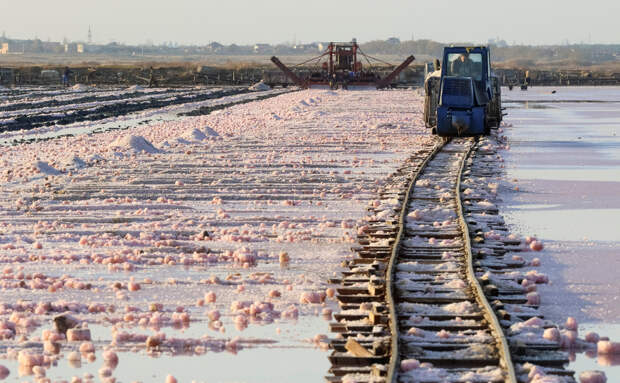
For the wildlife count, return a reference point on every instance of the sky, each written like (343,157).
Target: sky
(532,22)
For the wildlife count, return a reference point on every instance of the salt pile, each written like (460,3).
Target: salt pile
(74,162)
(210,132)
(135,88)
(194,135)
(80,87)
(260,86)
(137,143)
(45,168)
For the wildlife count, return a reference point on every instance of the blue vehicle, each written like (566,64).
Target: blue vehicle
(462,97)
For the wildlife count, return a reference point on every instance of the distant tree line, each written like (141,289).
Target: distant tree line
(579,54)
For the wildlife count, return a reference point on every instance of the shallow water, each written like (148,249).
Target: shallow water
(565,161)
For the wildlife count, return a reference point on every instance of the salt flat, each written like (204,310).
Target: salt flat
(198,235)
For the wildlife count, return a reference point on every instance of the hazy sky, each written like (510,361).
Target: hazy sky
(274,21)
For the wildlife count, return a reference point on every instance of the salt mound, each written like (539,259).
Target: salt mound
(74,161)
(80,87)
(94,159)
(45,168)
(260,86)
(137,143)
(210,132)
(194,135)
(135,88)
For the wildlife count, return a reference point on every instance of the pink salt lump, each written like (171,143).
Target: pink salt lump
(606,347)
(210,297)
(409,364)
(552,334)
(592,337)
(78,334)
(536,245)
(312,297)
(330,292)
(26,358)
(74,356)
(533,298)
(133,286)
(110,357)
(592,377)
(4,372)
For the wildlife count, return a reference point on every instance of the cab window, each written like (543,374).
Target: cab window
(465,65)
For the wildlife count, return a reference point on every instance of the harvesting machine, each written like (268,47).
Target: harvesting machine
(339,66)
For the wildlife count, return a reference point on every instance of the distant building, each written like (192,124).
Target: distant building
(214,47)
(306,47)
(73,48)
(4,49)
(393,40)
(261,48)
(498,42)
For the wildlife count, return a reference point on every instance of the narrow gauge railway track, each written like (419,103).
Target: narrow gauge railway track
(424,259)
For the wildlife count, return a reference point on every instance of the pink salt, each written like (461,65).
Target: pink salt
(592,337)
(87,347)
(330,292)
(409,364)
(4,372)
(607,347)
(552,334)
(133,286)
(536,246)
(74,356)
(110,357)
(210,297)
(533,298)
(78,334)
(592,377)
(443,334)
(311,297)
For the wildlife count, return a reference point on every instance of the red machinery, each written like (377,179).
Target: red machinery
(342,69)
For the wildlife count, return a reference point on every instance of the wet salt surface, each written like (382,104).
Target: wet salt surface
(564,158)
(264,363)
(284,178)
(128,120)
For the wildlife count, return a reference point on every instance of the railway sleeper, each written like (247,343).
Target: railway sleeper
(345,359)
(542,358)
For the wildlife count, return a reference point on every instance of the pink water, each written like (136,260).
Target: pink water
(565,161)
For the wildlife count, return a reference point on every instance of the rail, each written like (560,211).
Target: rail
(489,313)
(389,293)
